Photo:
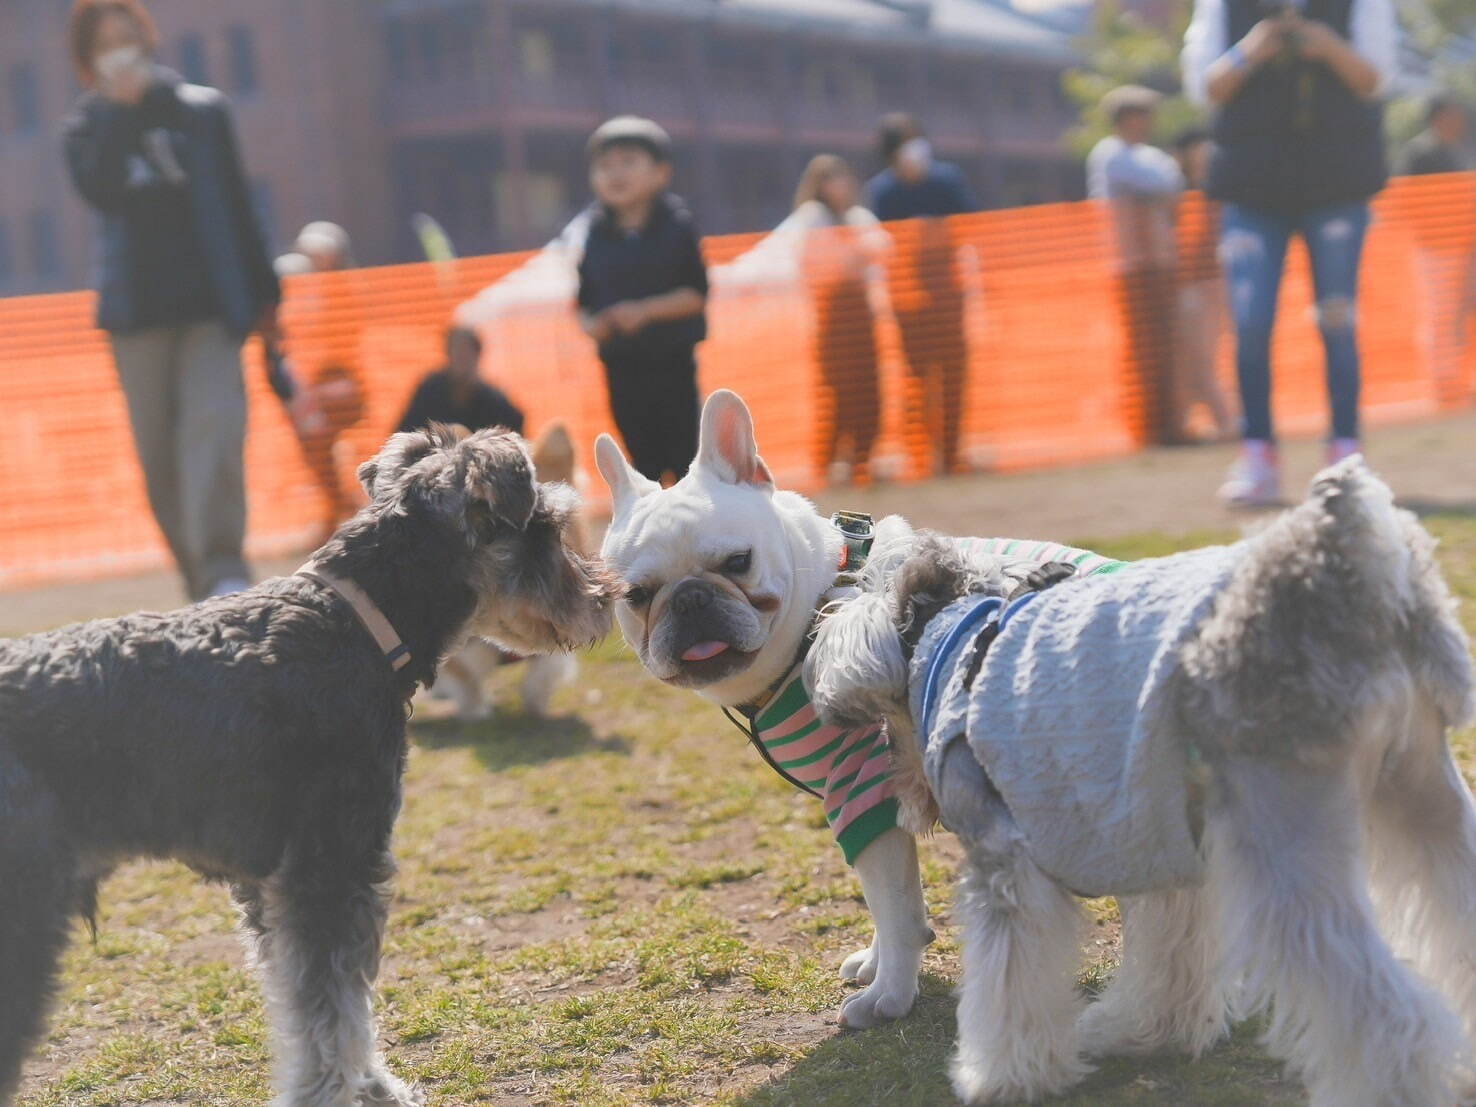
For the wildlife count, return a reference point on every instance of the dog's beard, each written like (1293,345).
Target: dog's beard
(557,601)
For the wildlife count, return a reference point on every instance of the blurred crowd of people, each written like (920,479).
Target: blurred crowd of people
(1295,150)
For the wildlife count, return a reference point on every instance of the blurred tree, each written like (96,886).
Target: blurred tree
(1122,48)
(1442,34)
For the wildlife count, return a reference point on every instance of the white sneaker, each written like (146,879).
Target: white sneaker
(1340,448)
(228,585)
(1255,478)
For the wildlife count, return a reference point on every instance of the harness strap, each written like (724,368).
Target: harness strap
(367,612)
(750,731)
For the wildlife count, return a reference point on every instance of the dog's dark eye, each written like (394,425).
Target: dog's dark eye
(637,596)
(739,563)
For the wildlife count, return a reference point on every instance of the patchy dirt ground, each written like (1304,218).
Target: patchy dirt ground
(621,904)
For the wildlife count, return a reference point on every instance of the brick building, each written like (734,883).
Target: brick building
(366,111)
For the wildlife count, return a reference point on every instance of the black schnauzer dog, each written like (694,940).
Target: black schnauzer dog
(260,739)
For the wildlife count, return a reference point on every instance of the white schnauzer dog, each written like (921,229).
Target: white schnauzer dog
(260,739)
(1245,744)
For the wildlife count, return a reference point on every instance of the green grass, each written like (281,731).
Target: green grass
(619,905)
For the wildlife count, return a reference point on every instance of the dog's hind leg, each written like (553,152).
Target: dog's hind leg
(1290,885)
(1168,991)
(1423,861)
(37,897)
(1017,1003)
(318,938)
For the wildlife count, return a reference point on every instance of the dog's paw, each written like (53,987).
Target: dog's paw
(384,1089)
(880,1002)
(860,966)
(976,1082)
(1104,1029)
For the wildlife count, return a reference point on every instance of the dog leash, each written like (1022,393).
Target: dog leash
(365,610)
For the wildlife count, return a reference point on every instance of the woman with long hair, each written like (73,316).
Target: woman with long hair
(185,277)
(843,245)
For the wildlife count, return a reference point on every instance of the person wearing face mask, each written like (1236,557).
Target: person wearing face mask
(914,184)
(926,292)
(184,277)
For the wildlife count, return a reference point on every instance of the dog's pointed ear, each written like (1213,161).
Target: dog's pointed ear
(626,485)
(727,448)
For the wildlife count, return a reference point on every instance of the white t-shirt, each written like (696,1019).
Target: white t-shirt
(1117,170)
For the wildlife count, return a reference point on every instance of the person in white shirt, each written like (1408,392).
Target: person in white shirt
(1299,150)
(840,258)
(1142,184)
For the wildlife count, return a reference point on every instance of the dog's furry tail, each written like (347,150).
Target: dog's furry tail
(1326,601)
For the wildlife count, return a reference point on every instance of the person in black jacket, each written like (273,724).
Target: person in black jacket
(185,276)
(1299,151)
(643,294)
(458,394)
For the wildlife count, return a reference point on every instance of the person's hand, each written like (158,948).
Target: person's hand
(628,316)
(1315,41)
(269,325)
(307,415)
(1266,39)
(598,327)
(126,84)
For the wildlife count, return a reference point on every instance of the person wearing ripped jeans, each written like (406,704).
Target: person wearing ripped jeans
(1296,88)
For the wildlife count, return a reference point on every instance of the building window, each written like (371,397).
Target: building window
(7,260)
(25,95)
(241,46)
(45,250)
(536,51)
(192,62)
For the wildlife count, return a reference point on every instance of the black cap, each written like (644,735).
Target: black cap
(630,130)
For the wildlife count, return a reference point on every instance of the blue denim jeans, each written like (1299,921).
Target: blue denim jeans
(1253,252)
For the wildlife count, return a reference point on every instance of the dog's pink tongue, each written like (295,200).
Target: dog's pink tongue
(703,651)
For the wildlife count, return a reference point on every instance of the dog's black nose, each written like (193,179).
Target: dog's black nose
(691,596)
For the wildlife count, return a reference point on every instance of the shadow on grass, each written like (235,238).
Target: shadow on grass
(512,738)
(905,1064)
(1464,509)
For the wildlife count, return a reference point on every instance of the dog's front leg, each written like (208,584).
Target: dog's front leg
(892,885)
(317,938)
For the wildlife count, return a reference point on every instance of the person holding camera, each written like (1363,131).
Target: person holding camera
(1296,91)
(185,277)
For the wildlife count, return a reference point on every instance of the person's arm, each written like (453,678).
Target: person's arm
(1204,42)
(1227,74)
(687,299)
(99,137)
(1367,63)
(630,316)
(242,213)
(594,323)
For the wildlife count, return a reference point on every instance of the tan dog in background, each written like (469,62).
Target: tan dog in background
(463,677)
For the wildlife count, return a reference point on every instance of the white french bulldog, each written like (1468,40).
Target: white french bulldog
(723,575)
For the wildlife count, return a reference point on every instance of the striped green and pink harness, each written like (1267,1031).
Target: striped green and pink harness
(850,769)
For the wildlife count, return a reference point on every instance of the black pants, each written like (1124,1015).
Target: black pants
(654,401)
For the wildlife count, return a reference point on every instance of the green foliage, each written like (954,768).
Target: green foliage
(1121,48)
(1435,29)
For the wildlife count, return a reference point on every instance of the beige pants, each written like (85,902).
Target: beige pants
(187,404)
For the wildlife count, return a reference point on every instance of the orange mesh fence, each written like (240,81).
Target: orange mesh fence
(998,341)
